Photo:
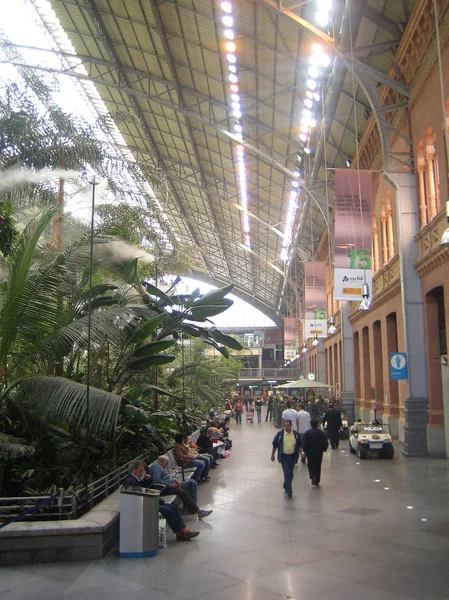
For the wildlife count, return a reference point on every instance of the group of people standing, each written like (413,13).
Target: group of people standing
(252,407)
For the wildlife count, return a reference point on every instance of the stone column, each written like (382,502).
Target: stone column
(375,245)
(431,189)
(422,193)
(383,219)
(390,241)
(347,358)
(321,362)
(416,403)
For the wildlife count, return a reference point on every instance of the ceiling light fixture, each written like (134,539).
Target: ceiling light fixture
(322,19)
(332,329)
(316,341)
(227,21)
(366,303)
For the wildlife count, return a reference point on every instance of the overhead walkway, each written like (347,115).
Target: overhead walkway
(375,529)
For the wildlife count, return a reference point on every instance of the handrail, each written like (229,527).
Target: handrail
(68,506)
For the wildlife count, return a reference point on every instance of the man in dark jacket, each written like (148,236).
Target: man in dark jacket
(269,408)
(314,444)
(287,442)
(138,477)
(333,419)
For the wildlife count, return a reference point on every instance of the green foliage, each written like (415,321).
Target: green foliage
(7,228)
(63,402)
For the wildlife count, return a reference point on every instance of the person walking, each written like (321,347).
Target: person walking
(287,442)
(334,423)
(314,444)
(303,419)
(290,414)
(269,408)
(238,409)
(259,404)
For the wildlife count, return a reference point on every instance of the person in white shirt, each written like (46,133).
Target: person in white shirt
(303,419)
(290,414)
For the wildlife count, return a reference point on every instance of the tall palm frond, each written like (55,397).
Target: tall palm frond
(63,402)
(16,305)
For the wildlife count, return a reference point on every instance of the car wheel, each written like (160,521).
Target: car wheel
(351,449)
(388,452)
(363,453)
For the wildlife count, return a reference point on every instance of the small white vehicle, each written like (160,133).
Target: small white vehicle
(372,437)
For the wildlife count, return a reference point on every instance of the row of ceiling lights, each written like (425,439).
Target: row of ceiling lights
(318,61)
(227,20)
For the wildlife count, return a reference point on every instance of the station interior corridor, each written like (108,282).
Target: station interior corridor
(373,529)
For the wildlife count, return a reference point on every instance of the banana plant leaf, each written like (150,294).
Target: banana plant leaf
(221,349)
(141,364)
(152,348)
(226,340)
(214,297)
(201,313)
(155,291)
(147,328)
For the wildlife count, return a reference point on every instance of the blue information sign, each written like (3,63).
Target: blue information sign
(398,366)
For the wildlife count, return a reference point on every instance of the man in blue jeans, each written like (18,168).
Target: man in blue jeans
(186,458)
(138,477)
(287,442)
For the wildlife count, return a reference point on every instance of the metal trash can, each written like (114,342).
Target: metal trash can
(139,522)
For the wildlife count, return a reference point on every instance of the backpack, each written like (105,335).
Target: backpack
(238,406)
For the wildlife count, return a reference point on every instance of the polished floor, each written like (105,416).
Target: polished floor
(374,529)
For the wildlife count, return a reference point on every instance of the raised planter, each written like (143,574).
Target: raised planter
(90,537)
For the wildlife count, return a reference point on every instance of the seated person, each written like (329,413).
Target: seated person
(186,491)
(176,523)
(225,426)
(207,455)
(215,435)
(187,458)
(206,448)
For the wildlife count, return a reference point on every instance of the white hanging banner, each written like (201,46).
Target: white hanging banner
(315,299)
(353,233)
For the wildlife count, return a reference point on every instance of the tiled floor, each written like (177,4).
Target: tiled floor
(373,530)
